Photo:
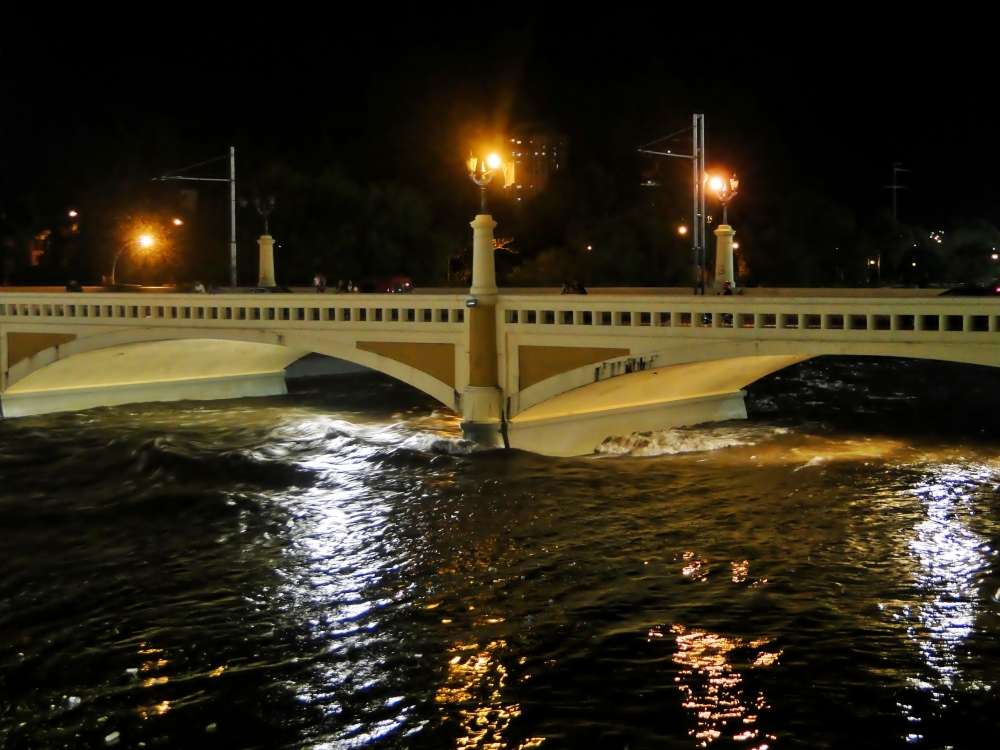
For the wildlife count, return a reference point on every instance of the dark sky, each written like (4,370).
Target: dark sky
(821,96)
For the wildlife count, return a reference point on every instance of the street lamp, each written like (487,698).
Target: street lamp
(481,173)
(725,191)
(143,240)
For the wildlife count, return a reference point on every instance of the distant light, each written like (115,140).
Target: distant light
(590,247)
(871,263)
(493,161)
(73,214)
(995,256)
(914,264)
(682,229)
(177,222)
(146,241)
(736,246)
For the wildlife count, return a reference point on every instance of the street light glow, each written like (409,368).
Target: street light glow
(682,229)
(73,214)
(716,183)
(177,222)
(146,240)
(493,161)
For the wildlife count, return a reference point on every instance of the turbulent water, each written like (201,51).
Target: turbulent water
(338,569)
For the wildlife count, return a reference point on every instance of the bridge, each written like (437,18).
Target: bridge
(553,374)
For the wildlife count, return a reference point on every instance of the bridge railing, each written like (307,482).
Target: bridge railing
(749,316)
(279,310)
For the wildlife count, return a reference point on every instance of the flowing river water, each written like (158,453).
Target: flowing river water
(337,569)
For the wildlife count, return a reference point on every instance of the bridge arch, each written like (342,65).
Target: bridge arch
(681,383)
(150,364)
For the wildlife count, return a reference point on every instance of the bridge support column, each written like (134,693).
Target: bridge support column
(266,275)
(482,399)
(724,256)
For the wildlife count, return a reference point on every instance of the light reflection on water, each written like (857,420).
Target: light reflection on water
(951,557)
(712,688)
(474,684)
(386,594)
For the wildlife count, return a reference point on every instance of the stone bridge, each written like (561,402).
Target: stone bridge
(548,373)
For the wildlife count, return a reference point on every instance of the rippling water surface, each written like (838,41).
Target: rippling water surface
(338,569)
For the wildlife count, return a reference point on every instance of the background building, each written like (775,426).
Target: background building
(537,156)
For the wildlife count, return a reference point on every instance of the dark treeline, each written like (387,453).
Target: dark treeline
(362,144)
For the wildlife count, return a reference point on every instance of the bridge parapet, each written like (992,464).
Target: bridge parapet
(748,316)
(232,309)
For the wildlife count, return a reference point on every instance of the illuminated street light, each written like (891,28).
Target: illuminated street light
(73,214)
(177,222)
(995,257)
(144,240)
(725,191)
(481,173)
(682,230)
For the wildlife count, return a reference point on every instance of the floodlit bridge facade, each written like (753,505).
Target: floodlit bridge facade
(548,373)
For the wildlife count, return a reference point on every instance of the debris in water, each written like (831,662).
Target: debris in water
(112,739)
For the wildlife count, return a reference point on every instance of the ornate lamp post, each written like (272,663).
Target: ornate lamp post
(144,240)
(725,191)
(481,172)
(481,400)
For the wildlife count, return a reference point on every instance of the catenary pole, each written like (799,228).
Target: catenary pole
(232,217)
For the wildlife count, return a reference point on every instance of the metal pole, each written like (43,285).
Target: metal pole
(701,197)
(232,217)
(696,240)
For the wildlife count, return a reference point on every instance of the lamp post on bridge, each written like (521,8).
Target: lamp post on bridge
(482,400)
(725,191)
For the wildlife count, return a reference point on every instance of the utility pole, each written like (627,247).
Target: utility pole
(697,158)
(895,186)
(176,175)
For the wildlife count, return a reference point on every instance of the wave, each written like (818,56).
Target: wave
(428,442)
(669,442)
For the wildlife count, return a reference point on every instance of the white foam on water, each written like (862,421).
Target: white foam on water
(428,442)
(669,442)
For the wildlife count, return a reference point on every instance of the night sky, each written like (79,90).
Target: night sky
(822,97)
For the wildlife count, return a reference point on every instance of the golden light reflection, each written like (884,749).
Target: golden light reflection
(712,687)
(741,568)
(479,678)
(156,710)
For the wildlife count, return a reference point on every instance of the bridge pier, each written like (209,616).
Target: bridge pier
(482,399)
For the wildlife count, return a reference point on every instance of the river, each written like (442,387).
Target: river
(336,568)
